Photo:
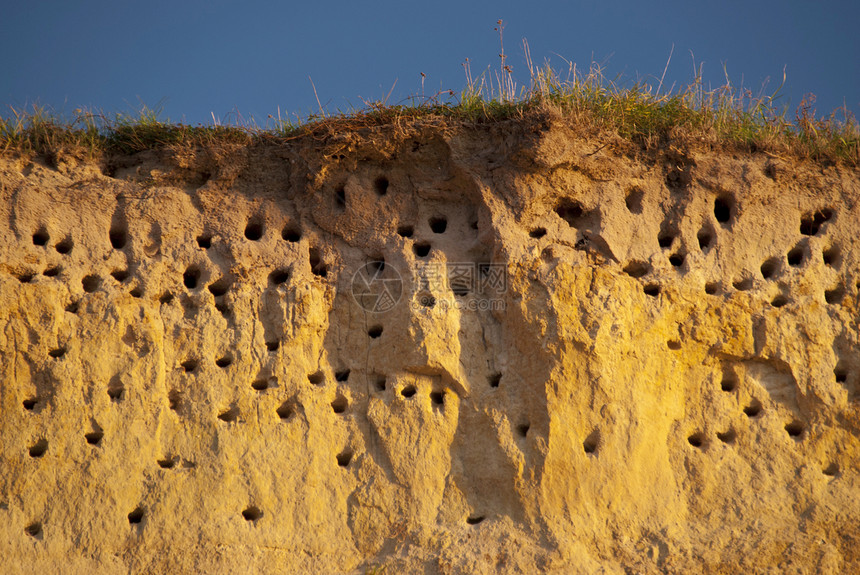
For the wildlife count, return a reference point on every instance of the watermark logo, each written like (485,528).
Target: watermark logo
(377,287)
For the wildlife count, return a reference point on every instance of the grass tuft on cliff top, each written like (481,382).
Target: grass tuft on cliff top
(647,115)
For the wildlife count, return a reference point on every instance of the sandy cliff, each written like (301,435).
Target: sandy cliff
(430,348)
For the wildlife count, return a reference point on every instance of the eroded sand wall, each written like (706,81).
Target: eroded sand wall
(576,356)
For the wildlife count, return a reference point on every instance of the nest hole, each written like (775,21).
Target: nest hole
(494,379)
(318,266)
(779,301)
(285,411)
(727,436)
(316,378)
(427,300)
(705,239)
(252,513)
(219,288)
(31,403)
(831,470)
(422,250)
(342,375)
(118,237)
(339,404)
(41,238)
(57,353)
(570,211)
(34,530)
(697,439)
(94,437)
(652,290)
(64,247)
(381,185)
(39,448)
(795,256)
(753,409)
(191,277)
(811,222)
(438,224)
(189,365)
(91,283)
(340,197)
(120,275)
(167,463)
(794,428)
(254,231)
(834,296)
(832,256)
(711,288)
(633,201)
(279,277)
(223,362)
(677,260)
(408,391)
(405,231)
(291,234)
(260,384)
(460,287)
(840,372)
(723,207)
(769,267)
(375,331)
(204,242)
(344,457)
(437,397)
(537,233)
(273,345)
(637,269)
(592,442)
(474,519)
(174,399)
(229,415)
(379,383)
(729,382)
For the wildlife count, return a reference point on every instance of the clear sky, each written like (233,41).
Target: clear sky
(197,58)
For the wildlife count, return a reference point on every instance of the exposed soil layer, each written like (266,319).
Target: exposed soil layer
(430,348)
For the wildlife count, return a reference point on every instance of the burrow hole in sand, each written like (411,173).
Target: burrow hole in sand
(723,208)
(286,409)
(339,404)
(254,230)
(39,448)
(136,516)
(438,224)
(118,236)
(252,513)
(41,237)
(344,457)
(696,439)
(811,222)
(592,442)
(753,409)
(381,185)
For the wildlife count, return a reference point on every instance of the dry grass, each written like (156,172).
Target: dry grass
(726,116)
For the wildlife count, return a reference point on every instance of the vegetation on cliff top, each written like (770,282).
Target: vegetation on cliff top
(643,113)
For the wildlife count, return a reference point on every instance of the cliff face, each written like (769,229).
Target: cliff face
(430,348)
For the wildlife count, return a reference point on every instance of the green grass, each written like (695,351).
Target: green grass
(726,116)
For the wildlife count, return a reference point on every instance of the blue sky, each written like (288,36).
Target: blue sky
(196,58)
